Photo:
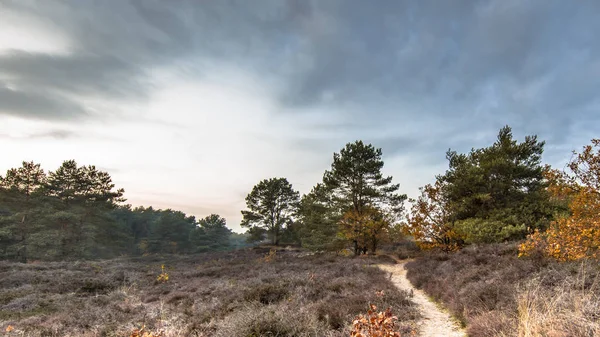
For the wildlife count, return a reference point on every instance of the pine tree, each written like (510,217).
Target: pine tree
(357,186)
(21,194)
(272,205)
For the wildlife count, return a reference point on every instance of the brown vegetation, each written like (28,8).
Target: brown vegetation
(375,324)
(240,293)
(576,234)
(495,293)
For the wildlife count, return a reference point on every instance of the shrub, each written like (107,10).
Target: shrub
(574,235)
(225,294)
(495,293)
(163,276)
(375,324)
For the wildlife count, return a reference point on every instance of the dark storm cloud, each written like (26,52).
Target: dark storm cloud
(37,105)
(81,74)
(466,64)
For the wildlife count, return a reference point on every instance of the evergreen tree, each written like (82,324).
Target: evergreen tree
(170,232)
(497,193)
(318,220)
(272,204)
(83,198)
(357,184)
(20,195)
(211,234)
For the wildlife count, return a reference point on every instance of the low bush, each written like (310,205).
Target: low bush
(226,294)
(495,293)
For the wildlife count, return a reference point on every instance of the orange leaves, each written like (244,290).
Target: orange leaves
(375,324)
(428,221)
(144,333)
(270,256)
(9,328)
(577,235)
(163,277)
(366,227)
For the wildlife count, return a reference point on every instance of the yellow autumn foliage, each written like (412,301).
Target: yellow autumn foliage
(367,228)
(429,223)
(163,277)
(577,235)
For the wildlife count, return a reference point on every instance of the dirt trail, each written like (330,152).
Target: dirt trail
(435,322)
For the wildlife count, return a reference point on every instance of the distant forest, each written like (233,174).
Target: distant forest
(75,212)
(498,193)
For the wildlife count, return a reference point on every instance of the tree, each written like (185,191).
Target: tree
(83,198)
(211,234)
(574,234)
(21,193)
(357,184)
(367,229)
(237,240)
(318,220)
(497,193)
(272,204)
(429,220)
(170,232)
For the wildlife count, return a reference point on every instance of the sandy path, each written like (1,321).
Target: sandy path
(435,322)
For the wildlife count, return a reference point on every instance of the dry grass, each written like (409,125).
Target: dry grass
(571,308)
(232,294)
(494,293)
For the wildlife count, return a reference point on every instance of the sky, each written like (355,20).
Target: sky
(188,104)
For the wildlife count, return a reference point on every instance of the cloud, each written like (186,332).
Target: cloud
(56,134)
(37,105)
(341,55)
(270,87)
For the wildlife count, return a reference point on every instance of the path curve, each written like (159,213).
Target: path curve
(434,322)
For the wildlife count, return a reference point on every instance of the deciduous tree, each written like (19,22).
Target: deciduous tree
(429,220)
(576,234)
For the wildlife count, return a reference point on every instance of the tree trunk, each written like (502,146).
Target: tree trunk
(374,245)
(275,237)
(24,239)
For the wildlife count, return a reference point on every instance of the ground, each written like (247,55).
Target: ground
(435,321)
(495,293)
(242,293)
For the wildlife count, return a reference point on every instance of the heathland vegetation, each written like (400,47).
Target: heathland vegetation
(505,241)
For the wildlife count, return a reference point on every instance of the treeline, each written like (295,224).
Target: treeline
(498,193)
(76,212)
(355,205)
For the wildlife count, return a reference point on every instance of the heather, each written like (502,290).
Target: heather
(253,292)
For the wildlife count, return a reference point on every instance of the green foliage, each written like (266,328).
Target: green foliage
(272,205)
(238,240)
(211,234)
(356,184)
(499,189)
(318,220)
(256,234)
(20,197)
(81,199)
(477,230)
(355,179)
(76,212)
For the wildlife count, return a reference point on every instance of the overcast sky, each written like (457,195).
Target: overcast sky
(188,104)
